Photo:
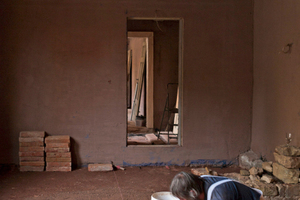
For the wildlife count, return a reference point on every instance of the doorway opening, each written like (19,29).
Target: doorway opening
(154,68)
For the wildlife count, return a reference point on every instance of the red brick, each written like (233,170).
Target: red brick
(31,144)
(32,134)
(31,149)
(58,155)
(31,154)
(58,164)
(32,163)
(31,139)
(59,150)
(100,167)
(57,139)
(31,169)
(59,169)
(58,159)
(31,158)
(58,145)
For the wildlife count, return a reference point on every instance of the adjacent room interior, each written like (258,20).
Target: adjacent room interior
(148,40)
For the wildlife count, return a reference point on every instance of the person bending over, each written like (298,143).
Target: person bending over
(187,186)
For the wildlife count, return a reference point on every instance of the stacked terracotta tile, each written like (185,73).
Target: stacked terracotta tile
(31,151)
(58,155)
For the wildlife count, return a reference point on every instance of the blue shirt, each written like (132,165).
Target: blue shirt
(222,188)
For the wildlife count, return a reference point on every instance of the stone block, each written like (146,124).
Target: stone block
(57,139)
(32,168)
(256,171)
(100,167)
(244,172)
(254,177)
(288,150)
(292,190)
(268,189)
(31,149)
(277,198)
(51,159)
(287,161)
(237,176)
(58,155)
(285,174)
(199,171)
(31,154)
(58,145)
(58,169)
(32,163)
(249,159)
(32,134)
(35,158)
(267,166)
(281,189)
(58,150)
(58,164)
(267,178)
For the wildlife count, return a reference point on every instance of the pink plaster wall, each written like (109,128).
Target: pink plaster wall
(63,70)
(276,75)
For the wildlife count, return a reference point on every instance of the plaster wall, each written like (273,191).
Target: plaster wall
(276,105)
(63,70)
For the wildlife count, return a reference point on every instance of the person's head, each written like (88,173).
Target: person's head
(186,186)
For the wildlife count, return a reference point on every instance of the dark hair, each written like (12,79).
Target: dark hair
(187,186)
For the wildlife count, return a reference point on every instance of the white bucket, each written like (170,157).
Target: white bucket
(163,196)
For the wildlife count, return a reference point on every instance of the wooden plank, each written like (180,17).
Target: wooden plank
(129,73)
(31,154)
(58,145)
(164,138)
(58,159)
(59,164)
(58,155)
(34,158)
(32,163)
(149,72)
(100,167)
(32,134)
(151,137)
(59,150)
(57,139)
(136,103)
(58,169)
(32,168)
(176,116)
(31,149)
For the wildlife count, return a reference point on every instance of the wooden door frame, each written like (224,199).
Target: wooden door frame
(149,77)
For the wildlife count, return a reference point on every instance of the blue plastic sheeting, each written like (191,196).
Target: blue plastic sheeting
(215,163)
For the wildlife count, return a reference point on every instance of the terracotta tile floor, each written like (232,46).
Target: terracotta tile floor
(135,183)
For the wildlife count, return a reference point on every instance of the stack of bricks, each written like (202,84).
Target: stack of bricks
(58,155)
(31,151)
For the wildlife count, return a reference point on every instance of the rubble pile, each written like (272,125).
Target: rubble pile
(277,180)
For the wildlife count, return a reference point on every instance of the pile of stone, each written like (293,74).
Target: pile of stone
(277,180)
(31,151)
(58,154)
(287,163)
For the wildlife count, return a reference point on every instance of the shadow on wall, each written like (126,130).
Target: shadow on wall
(6,135)
(75,154)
